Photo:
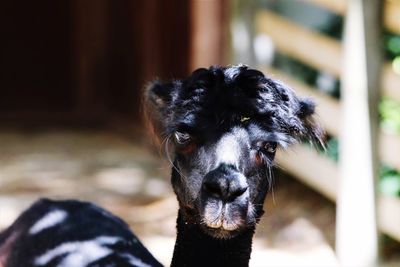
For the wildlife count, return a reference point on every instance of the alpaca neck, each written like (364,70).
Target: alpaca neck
(195,248)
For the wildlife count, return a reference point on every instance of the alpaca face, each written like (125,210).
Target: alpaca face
(225,125)
(225,179)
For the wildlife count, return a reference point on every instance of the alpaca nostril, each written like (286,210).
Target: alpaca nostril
(238,192)
(227,192)
(234,194)
(214,189)
(224,183)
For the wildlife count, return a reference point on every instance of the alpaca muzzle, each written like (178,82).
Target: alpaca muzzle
(224,199)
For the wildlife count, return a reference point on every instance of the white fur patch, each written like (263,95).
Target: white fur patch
(228,150)
(213,214)
(80,253)
(231,72)
(49,220)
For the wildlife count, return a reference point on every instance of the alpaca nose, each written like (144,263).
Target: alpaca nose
(225,183)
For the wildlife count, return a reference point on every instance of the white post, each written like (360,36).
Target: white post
(356,233)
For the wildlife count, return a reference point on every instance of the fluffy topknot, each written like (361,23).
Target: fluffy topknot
(221,96)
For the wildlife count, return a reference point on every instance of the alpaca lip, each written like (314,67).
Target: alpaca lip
(223,224)
(220,216)
(221,232)
(223,221)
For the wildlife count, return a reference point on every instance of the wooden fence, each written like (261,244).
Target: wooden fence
(326,56)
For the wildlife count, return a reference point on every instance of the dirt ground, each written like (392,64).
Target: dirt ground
(130,179)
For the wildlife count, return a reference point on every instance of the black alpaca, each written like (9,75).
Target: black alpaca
(224,126)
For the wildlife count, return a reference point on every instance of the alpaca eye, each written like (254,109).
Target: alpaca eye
(265,152)
(182,138)
(270,147)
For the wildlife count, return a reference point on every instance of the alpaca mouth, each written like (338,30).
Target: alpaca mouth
(222,220)
(222,228)
(223,223)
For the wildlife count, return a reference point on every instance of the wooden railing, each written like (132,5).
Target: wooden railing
(325,54)
(391,18)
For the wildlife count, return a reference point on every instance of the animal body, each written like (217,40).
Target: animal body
(223,126)
(71,233)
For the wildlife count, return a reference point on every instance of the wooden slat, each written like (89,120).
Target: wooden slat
(357,236)
(389,216)
(390,82)
(336,6)
(391,11)
(323,177)
(389,147)
(315,49)
(207,34)
(328,112)
(392,15)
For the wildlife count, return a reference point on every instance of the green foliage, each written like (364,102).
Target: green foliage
(390,115)
(396,65)
(332,149)
(389,178)
(392,45)
(389,183)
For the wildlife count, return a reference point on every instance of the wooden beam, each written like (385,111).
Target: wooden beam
(335,6)
(391,18)
(208,35)
(390,81)
(389,216)
(389,147)
(326,52)
(324,176)
(356,224)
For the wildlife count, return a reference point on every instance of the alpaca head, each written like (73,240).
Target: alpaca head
(224,125)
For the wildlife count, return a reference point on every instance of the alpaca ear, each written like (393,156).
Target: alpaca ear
(306,108)
(158,99)
(312,131)
(306,113)
(303,126)
(160,94)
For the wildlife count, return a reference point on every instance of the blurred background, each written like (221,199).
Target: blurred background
(71,77)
